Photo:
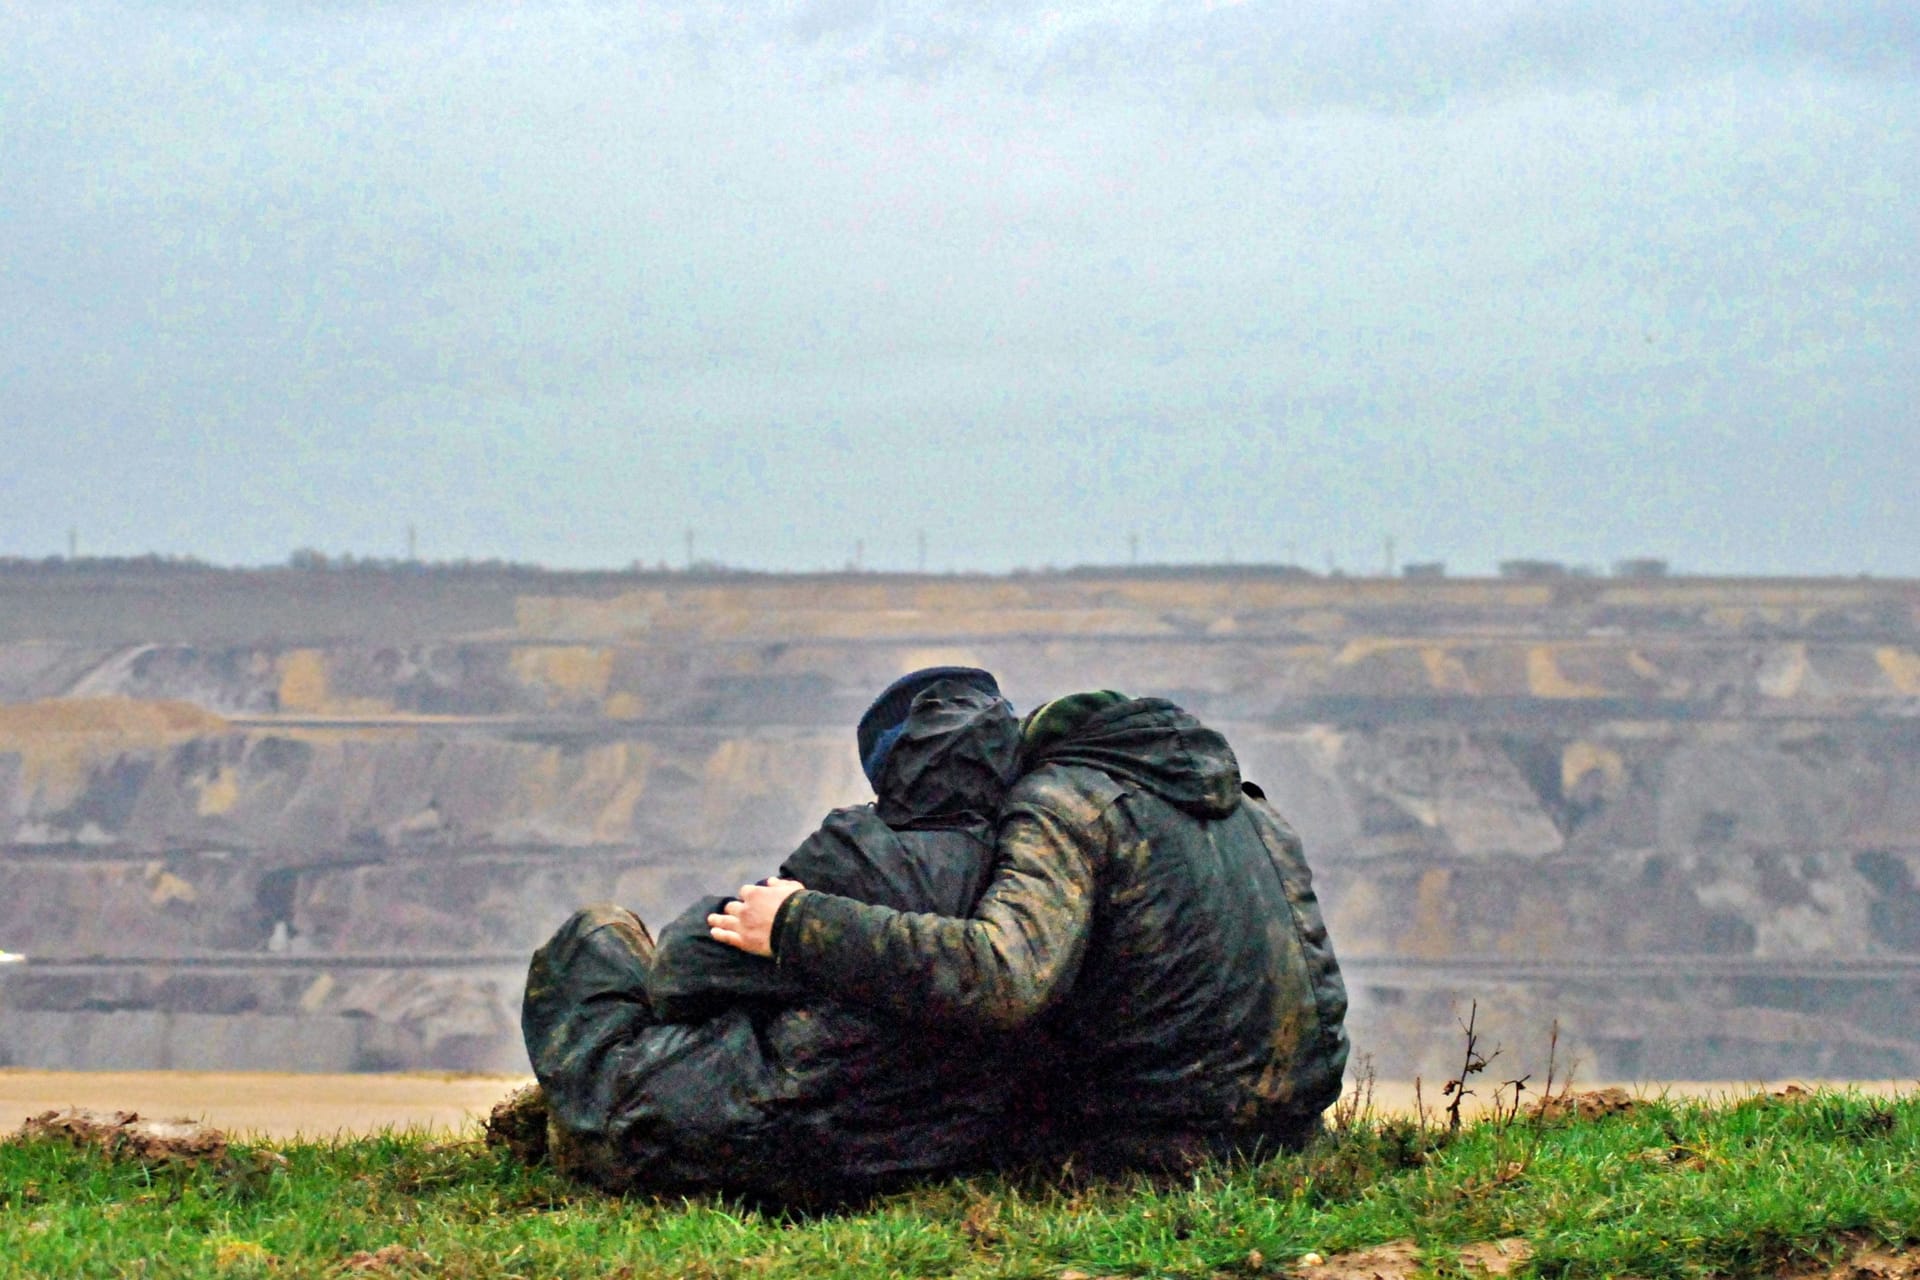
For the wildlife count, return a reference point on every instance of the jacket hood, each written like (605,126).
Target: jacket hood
(1154,745)
(954,760)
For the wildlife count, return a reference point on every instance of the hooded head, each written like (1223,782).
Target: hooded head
(1050,722)
(951,755)
(886,719)
(1148,742)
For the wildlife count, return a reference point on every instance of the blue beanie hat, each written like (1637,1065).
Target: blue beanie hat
(884,721)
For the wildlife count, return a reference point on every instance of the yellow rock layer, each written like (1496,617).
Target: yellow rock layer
(1901,667)
(1581,758)
(305,690)
(303,680)
(1362,648)
(1445,672)
(625,706)
(566,672)
(59,741)
(164,886)
(1545,679)
(615,777)
(218,794)
(128,719)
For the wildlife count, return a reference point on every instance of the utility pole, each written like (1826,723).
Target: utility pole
(1389,555)
(1133,548)
(413,545)
(859,553)
(689,549)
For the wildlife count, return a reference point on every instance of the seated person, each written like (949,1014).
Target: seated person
(691,1066)
(1151,935)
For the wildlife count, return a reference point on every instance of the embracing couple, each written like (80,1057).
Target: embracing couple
(1078,936)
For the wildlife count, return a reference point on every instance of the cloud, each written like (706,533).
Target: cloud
(284,270)
(1383,55)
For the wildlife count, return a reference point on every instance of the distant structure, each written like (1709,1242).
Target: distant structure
(1640,567)
(1533,570)
(1425,569)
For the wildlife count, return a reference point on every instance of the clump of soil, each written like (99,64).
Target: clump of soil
(1400,1260)
(1865,1258)
(519,1123)
(387,1260)
(1877,1264)
(1593,1105)
(125,1133)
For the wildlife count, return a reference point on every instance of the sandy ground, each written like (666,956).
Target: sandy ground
(274,1104)
(281,1105)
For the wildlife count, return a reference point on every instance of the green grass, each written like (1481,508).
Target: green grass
(1673,1189)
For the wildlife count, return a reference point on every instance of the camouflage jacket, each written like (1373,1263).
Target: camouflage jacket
(725,1072)
(1151,929)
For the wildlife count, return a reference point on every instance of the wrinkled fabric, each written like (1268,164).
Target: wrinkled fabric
(1151,934)
(692,1066)
(1051,721)
(882,723)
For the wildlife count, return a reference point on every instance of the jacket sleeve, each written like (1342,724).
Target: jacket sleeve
(693,977)
(995,971)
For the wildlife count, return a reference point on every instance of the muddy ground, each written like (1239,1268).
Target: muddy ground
(284,1105)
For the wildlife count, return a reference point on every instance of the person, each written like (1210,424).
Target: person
(1151,931)
(691,1066)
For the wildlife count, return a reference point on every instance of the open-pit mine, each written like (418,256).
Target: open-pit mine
(316,818)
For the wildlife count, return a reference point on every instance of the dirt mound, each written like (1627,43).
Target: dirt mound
(124,1133)
(1585,1106)
(518,1122)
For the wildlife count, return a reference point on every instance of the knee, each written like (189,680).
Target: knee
(593,918)
(602,915)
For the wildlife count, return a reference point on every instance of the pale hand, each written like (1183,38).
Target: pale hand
(747,921)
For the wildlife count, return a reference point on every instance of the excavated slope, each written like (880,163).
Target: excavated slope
(316,820)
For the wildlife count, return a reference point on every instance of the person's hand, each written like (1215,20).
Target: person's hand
(747,921)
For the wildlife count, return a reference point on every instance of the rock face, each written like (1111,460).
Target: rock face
(317,819)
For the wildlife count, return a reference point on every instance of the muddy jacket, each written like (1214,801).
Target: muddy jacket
(1151,930)
(691,1065)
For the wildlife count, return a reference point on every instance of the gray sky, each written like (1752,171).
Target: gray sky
(1256,281)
